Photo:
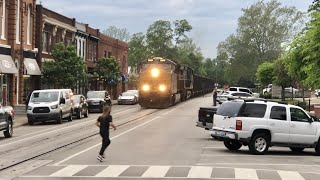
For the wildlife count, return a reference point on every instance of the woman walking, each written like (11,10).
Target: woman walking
(104,122)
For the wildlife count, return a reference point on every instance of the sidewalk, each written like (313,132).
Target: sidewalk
(21,119)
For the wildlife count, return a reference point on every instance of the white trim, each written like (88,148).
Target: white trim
(58,23)
(5,46)
(18,24)
(28,26)
(3,17)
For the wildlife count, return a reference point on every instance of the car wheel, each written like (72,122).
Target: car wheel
(70,118)
(59,120)
(296,149)
(30,121)
(79,115)
(8,133)
(232,145)
(86,114)
(317,148)
(259,144)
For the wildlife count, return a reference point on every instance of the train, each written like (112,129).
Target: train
(164,82)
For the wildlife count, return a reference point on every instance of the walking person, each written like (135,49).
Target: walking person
(104,122)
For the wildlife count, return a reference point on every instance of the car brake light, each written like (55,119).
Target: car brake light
(239,125)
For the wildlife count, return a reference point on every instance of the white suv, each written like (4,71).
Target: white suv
(261,124)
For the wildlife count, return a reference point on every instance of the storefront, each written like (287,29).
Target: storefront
(30,76)
(8,70)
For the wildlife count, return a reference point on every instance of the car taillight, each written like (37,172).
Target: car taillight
(238,125)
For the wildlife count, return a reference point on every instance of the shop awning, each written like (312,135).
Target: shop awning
(32,66)
(7,65)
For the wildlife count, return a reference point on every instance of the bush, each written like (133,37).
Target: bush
(265,95)
(302,104)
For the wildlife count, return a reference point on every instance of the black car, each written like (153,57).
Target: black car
(80,106)
(97,100)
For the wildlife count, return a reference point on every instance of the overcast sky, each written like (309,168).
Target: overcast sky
(212,20)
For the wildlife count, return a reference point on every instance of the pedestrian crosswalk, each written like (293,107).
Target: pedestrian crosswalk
(156,171)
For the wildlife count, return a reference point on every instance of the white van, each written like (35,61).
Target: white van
(50,104)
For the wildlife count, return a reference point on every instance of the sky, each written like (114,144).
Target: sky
(212,20)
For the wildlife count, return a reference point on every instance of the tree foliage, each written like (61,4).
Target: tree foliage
(108,70)
(66,70)
(137,49)
(118,33)
(265,73)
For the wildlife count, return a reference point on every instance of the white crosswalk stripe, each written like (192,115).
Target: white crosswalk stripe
(245,174)
(112,171)
(69,171)
(156,171)
(145,171)
(290,175)
(200,172)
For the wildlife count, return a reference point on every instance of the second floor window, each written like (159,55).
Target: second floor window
(3,20)
(46,41)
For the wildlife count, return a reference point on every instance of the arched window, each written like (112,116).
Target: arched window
(18,23)
(3,18)
(29,25)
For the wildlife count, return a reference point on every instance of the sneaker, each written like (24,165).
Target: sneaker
(103,156)
(100,158)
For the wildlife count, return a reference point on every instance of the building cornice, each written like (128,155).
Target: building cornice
(55,22)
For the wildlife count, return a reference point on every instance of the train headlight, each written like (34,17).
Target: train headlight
(162,88)
(145,87)
(155,72)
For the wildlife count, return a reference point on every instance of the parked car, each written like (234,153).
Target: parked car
(135,92)
(127,98)
(80,106)
(50,104)
(240,89)
(97,100)
(261,124)
(6,120)
(268,89)
(231,95)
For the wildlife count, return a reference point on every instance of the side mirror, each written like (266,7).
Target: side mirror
(62,101)
(310,120)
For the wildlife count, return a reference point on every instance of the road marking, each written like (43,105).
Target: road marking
(239,155)
(57,129)
(241,173)
(112,171)
(290,175)
(76,154)
(200,172)
(156,171)
(254,164)
(69,171)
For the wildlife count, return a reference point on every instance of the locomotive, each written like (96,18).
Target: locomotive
(164,82)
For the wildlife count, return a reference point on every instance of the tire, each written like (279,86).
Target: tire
(9,132)
(232,145)
(86,114)
(79,115)
(30,122)
(296,149)
(317,148)
(70,118)
(259,144)
(59,120)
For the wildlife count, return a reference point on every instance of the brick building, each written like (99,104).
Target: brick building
(17,50)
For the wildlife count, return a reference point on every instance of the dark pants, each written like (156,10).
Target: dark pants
(105,143)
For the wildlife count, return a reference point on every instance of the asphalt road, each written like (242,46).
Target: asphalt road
(148,144)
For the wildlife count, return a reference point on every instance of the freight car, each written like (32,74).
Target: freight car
(164,82)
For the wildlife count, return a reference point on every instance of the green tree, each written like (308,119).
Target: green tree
(108,71)
(281,75)
(265,73)
(181,27)
(137,49)
(118,33)
(159,38)
(66,70)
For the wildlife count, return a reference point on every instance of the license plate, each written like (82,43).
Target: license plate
(220,133)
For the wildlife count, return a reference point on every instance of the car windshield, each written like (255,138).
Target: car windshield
(96,94)
(49,96)
(128,94)
(76,99)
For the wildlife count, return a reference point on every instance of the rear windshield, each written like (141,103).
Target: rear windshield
(253,110)
(230,109)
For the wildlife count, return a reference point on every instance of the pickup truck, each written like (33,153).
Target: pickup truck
(6,120)
(260,124)
(205,117)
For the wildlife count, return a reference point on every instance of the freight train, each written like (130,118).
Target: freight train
(164,82)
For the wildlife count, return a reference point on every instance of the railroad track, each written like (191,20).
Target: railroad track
(2,168)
